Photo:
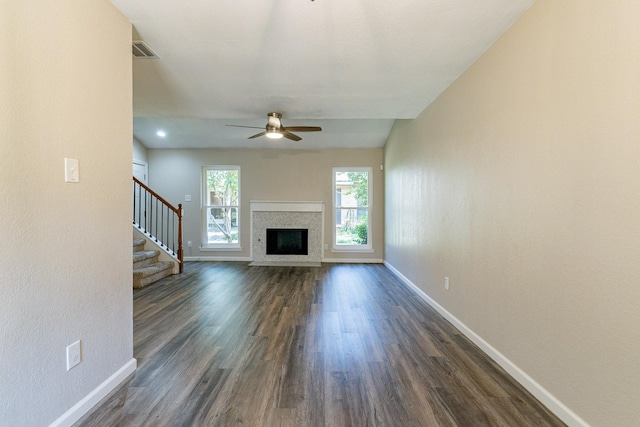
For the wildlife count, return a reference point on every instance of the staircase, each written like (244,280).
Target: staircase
(146,267)
(156,218)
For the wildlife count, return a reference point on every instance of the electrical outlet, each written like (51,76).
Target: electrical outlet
(74,355)
(189,244)
(446,283)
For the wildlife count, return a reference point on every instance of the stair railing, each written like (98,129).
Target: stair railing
(158,219)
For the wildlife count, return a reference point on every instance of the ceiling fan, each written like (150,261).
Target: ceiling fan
(275,130)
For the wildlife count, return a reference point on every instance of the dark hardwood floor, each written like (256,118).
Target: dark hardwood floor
(225,344)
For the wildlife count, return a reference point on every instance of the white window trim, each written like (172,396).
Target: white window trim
(368,248)
(205,238)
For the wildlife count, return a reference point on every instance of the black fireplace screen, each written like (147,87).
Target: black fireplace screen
(287,241)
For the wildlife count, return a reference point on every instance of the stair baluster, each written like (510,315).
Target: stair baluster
(159,227)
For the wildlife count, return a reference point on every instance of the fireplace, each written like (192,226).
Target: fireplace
(297,226)
(287,241)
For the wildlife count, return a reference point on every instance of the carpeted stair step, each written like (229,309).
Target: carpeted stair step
(144,258)
(138,245)
(148,274)
(146,266)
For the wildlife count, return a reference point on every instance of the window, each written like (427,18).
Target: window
(352,203)
(221,206)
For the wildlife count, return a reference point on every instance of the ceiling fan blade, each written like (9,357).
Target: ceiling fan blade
(290,136)
(258,134)
(304,128)
(250,127)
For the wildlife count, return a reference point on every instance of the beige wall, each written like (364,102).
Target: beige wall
(521,183)
(271,175)
(65,275)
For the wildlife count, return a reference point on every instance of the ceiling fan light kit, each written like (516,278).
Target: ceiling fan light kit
(275,130)
(273,133)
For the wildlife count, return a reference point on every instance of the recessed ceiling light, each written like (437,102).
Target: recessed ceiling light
(161,133)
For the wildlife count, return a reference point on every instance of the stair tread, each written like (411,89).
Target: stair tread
(148,270)
(143,255)
(138,242)
(152,273)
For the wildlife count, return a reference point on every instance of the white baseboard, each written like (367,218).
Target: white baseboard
(352,260)
(217,258)
(90,400)
(249,259)
(285,264)
(540,393)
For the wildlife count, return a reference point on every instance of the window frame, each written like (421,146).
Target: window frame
(206,245)
(362,248)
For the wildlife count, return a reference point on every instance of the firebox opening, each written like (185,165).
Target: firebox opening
(287,241)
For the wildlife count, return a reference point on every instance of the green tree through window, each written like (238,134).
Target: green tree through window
(221,211)
(352,193)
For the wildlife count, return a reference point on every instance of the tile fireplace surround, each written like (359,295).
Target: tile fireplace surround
(309,215)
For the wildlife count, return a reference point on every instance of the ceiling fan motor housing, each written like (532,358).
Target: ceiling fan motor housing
(274,121)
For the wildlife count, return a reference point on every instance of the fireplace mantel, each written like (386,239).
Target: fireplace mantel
(288,214)
(260,206)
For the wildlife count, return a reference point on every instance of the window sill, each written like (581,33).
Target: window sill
(230,248)
(352,250)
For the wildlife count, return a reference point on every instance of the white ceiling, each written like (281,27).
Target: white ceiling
(350,66)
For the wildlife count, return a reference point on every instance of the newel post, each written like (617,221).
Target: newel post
(180,250)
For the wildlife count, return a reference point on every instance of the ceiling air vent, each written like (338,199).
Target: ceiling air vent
(141,50)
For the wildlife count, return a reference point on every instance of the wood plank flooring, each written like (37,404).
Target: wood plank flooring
(225,344)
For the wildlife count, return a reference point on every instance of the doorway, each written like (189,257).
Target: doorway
(141,171)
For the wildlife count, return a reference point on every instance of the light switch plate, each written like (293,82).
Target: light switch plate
(74,354)
(71,173)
